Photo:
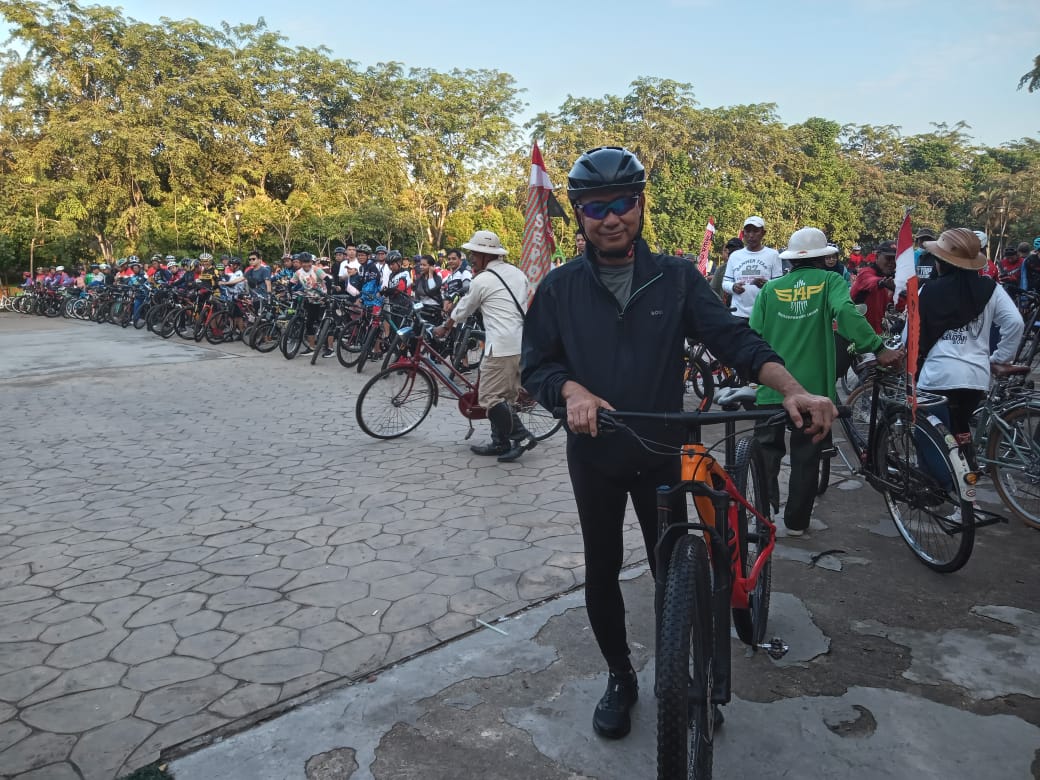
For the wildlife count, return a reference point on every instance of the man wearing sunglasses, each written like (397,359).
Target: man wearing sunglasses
(607,331)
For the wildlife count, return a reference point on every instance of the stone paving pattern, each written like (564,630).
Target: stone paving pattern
(191,540)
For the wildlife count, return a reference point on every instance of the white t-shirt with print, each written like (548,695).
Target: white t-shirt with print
(745,265)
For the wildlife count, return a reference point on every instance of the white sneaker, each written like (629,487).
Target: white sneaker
(793,532)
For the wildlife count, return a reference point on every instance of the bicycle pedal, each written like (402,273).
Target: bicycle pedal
(775,648)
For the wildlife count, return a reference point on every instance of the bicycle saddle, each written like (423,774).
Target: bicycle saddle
(730,398)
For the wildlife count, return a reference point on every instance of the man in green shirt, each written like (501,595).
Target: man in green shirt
(796,314)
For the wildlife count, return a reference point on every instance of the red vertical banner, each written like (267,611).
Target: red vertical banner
(702,258)
(539,242)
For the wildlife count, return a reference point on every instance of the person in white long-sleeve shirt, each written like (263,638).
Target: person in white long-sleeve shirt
(957,311)
(748,269)
(499,291)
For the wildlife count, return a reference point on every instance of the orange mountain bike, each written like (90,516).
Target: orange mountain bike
(713,561)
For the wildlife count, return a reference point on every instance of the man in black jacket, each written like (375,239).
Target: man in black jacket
(607,331)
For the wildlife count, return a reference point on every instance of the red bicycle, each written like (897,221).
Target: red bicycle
(398,398)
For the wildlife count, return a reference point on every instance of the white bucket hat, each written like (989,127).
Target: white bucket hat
(807,243)
(485,241)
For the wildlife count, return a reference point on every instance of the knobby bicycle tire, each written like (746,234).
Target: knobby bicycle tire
(394,402)
(369,344)
(348,345)
(293,337)
(916,483)
(394,352)
(749,476)
(185,324)
(217,327)
(321,340)
(685,715)
(267,337)
(1014,452)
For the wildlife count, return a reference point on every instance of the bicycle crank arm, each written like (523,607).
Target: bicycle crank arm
(775,648)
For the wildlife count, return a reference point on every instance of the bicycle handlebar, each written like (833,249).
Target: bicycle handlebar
(609,418)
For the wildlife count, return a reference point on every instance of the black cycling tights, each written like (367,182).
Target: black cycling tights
(601,501)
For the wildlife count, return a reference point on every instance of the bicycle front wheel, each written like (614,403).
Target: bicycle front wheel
(917,482)
(685,715)
(394,402)
(1014,455)
(292,337)
(749,476)
(535,417)
(348,345)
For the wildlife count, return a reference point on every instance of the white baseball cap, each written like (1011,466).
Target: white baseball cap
(755,222)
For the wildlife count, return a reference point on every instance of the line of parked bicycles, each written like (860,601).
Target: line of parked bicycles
(415,367)
(355,333)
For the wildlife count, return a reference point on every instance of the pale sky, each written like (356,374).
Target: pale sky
(901,62)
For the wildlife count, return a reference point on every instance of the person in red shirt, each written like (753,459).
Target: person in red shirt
(1009,269)
(855,259)
(875,285)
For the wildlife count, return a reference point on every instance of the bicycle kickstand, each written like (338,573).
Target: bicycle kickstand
(471,429)
(775,648)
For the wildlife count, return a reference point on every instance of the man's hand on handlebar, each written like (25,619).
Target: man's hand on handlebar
(582,408)
(890,357)
(819,409)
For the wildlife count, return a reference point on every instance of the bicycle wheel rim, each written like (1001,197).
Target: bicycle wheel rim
(348,345)
(749,476)
(1014,455)
(535,417)
(685,714)
(394,402)
(935,524)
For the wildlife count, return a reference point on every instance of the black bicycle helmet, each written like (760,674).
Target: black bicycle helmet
(364,248)
(605,168)
(393,255)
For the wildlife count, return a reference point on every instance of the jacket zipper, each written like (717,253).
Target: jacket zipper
(621,312)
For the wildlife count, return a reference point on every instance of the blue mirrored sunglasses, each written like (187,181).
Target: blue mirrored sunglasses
(598,209)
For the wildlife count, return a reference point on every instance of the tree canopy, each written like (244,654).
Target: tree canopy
(120,137)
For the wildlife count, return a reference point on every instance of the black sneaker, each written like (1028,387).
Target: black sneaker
(306,351)
(328,353)
(611,719)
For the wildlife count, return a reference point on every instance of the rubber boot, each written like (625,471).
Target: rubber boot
(520,438)
(501,426)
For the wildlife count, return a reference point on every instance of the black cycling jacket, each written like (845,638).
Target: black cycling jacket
(630,356)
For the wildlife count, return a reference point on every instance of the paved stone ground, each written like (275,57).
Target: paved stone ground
(189,535)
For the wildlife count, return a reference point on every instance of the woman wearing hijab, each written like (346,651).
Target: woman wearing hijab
(957,311)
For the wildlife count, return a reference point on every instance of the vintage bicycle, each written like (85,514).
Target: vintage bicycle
(398,398)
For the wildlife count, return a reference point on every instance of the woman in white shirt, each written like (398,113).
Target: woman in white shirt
(957,311)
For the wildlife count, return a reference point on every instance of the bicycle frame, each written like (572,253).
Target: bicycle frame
(428,361)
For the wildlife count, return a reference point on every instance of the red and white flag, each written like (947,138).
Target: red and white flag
(539,241)
(702,258)
(906,268)
(906,282)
